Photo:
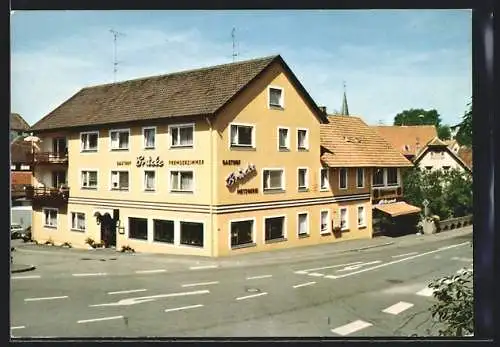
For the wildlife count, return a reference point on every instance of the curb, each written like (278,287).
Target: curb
(368,247)
(24,269)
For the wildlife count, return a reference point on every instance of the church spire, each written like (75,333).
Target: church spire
(345,109)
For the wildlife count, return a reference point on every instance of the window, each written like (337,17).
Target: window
(303,224)
(242,135)
(138,228)
(181,135)
(273,179)
(392,176)
(78,221)
(119,180)
(324,179)
(343,218)
(283,138)
(149,135)
(181,181)
(446,168)
(275,97)
(149,180)
(50,219)
(88,141)
(163,230)
(274,228)
(325,222)
(89,179)
(360,177)
(378,177)
(119,139)
(302,178)
(343,178)
(192,234)
(242,232)
(302,139)
(429,168)
(361,216)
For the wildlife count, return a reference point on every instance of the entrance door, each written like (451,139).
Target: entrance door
(108,231)
(58,178)
(59,146)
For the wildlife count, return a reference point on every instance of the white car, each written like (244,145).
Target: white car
(16,230)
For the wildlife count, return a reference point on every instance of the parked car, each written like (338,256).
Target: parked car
(26,234)
(15,231)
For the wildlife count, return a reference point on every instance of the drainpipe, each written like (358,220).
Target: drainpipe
(211,185)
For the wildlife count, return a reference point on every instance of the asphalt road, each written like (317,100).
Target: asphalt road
(375,292)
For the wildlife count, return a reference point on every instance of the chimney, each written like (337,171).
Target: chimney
(323,109)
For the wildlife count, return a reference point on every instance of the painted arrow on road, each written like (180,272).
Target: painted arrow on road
(143,299)
(355,267)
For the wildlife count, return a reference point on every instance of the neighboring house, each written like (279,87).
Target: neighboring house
(21,158)
(437,155)
(465,153)
(215,161)
(18,126)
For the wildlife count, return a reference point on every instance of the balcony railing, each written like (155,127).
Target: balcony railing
(51,157)
(387,192)
(48,196)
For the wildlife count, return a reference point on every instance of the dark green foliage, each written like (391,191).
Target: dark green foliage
(419,116)
(464,133)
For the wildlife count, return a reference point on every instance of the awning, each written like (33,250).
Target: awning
(398,208)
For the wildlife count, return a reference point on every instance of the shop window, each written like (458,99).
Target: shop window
(163,231)
(138,228)
(274,228)
(192,234)
(242,232)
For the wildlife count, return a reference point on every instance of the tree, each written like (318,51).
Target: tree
(464,133)
(444,132)
(419,116)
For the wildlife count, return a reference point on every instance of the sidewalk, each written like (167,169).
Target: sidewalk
(15,268)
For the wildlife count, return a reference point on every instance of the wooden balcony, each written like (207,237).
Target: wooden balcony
(386,193)
(51,158)
(48,196)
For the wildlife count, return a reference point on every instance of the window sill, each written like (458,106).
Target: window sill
(148,148)
(88,151)
(77,230)
(303,236)
(283,239)
(303,149)
(324,189)
(344,230)
(88,188)
(50,226)
(274,191)
(276,107)
(362,226)
(119,149)
(245,245)
(284,149)
(150,190)
(181,191)
(325,233)
(119,189)
(190,246)
(302,190)
(182,147)
(242,148)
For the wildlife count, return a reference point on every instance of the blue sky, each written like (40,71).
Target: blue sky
(391,60)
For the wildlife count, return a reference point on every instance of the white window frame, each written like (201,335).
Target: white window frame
(111,180)
(285,231)
(144,180)
(306,147)
(306,178)
(346,218)
(327,179)
(282,100)
(82,149)
(283,179)
(254,129)
(254,235)
(364,215)
(44,219)
(346,178)
(144,137)
(307,224)
(81,181)
(70,223)
(287,142)
(357,177)
(181,125)
(111,148)
(181,170)
(328,220)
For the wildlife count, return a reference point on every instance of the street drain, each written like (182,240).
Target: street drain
(394,281)
(252,290)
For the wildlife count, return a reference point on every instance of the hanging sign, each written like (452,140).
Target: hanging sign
(150,162)
(239,175)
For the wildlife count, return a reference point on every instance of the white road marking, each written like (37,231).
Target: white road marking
(127,291)
(47,298)
(18,327)
(398,308)
(304,284)
(256,277)
(25,277)
(182,308)
(90,274)
(99,319)
(403,255)
(351,328)
(150,271)
(315,274)
(463,259)
(199,284)
(203,267)
(355,267)
(142,299)
(302,272)
(251,296)
(426,292)
(396,261)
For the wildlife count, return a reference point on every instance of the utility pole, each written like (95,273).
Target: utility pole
(116,34)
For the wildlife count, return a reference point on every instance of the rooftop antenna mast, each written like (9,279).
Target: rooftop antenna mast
(116,34)
(233,35)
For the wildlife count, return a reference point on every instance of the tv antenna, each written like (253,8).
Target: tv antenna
(233,35)
(116,34)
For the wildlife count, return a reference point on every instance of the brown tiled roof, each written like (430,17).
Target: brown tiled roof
(18,123)
(20,151)
(398,208)
(347,141)
(465,153)
(187,93)
(406,139)
(436,142)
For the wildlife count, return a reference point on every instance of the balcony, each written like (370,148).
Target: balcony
(51,158)
(48,196)
(386,192)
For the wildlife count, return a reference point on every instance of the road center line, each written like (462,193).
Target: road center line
(150,271)
(90,274)
(99,319)
(304,284)
(326,267)
(24,277)
(203,267)
(183,308)
(18,327)
(398,308)
(403,255)
(199,284)
(256,277)
(47,298)
(251,296)
(351,327)
(127,291)
(396,261)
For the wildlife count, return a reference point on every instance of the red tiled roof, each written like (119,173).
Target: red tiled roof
(409,140)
